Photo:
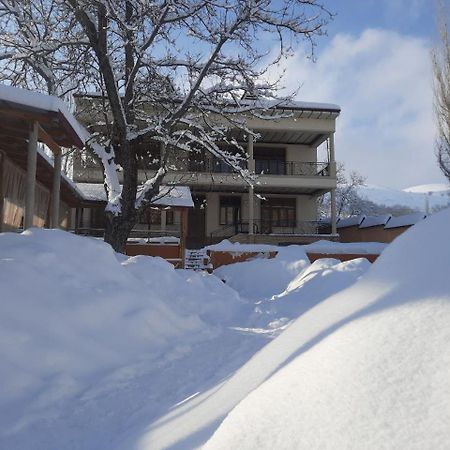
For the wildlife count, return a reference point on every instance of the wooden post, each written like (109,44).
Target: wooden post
(183,234)
(31,176)
(56,189)
(77,219)
(2,194)
(251,168)
(163,220)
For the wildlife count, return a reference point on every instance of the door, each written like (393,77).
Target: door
(196,237)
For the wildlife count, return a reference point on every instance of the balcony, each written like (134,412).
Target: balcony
(268,227)
(265,167)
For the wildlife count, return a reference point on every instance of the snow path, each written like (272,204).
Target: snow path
(100,352)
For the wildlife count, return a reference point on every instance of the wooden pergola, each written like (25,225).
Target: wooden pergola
(27,118)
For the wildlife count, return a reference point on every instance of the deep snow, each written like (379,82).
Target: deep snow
(369,366)
(100,351)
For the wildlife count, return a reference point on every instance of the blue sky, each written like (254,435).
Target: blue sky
(375,63)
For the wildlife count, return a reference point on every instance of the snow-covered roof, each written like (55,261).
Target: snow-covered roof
(175,196)
(352,221)
(375,221)
(291,105)
(42,102)
(261,103)
(405,221)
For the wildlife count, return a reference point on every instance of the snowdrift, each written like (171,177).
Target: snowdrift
(369,366)
(191,423)
(73,312)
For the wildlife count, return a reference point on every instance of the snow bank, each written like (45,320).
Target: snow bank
(315,283)
(374,248)
(73,312)
(227,246)
(369,367)
(261,278)
(191,423)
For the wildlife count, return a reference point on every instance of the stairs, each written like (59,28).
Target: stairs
(197,260)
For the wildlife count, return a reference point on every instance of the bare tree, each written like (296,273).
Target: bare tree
(178,73)
(348,201)
(441,71)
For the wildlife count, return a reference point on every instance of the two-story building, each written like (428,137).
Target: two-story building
(281,206)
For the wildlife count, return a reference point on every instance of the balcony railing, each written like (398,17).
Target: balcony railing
(91,172)
(265,167)
(136,235)
(296,168)
(295,228)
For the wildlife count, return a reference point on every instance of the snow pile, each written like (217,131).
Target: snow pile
(318,281)
(227,246)
(324,247)
(368,368)
(190,423)
(72,312)
(261,278)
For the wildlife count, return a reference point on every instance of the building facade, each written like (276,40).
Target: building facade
(281,206)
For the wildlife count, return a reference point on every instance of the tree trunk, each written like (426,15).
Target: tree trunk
(117,230)
(118,227)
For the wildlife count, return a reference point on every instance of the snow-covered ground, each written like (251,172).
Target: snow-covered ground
(369,367)
(103,352)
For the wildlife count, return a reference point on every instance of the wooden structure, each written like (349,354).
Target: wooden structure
(165,237)
(31,185)
(173,252)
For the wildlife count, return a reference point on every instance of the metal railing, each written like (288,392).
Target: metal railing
(295,168)
(262,167)
(137,235)
(300,228)
(265,167)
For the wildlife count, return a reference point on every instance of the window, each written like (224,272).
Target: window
(229,210)
(153,216)
(270,160)
(279,212)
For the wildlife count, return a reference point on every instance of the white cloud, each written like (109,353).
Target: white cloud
(382,80)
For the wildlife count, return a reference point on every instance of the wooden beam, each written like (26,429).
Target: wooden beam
(31,176)
(48,141)
(2,194)
(56,191)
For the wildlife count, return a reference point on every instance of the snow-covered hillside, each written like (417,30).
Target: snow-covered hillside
(414,197)
(368,368)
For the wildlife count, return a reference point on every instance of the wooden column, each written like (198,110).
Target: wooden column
(56,189)
(183,234)
(31,176)
(251,196)
(163,220)
(2,194)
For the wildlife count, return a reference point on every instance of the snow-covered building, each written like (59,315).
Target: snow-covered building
(282,205)
(33,192)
